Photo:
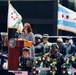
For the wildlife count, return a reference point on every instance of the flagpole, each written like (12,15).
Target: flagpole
(57,19)
(7,18)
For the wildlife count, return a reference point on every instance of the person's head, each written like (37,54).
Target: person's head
(70,41)
(0,53)
(25,51)
(4,36)
(45,38)
(54,48)
(27,27)
(59,41)
(38,38)
(67,40)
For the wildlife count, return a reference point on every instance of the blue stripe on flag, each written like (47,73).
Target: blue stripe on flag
(66,23)
(62,10)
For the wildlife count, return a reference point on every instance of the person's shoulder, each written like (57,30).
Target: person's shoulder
(41,43)
(31,33)
(59,54)
(30,58)
(21,58)
(49,43)
(73,45)
(64,45)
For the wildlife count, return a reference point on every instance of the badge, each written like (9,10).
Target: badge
(28,63)
(12,43)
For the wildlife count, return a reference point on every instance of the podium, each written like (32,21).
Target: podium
(15,52)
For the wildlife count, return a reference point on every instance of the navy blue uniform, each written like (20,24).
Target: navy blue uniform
(60,61)
(25,64)
(39,49)
(62,49)
(70,49)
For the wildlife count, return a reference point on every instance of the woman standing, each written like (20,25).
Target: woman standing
(28,35)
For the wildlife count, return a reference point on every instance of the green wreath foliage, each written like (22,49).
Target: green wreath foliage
(68,64)
(47,62)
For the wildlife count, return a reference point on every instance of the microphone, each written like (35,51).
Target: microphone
(17,33)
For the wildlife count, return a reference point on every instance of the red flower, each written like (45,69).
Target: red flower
(70,57)
(55,68)
(37,59)
(46,56)
(51,60)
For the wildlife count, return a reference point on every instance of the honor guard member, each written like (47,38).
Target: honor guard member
(25,62)
(39,48)
(56,55)
(46,43)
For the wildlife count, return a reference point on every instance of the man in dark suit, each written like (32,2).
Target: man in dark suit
(56,55)
(62,46)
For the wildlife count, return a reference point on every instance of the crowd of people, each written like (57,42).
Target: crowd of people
(42,46)
(60,50)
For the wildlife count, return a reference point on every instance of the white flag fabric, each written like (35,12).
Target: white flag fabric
(14,18)
(66,19)
(20,26)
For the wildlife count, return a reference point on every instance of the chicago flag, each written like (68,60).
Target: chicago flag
(66,19)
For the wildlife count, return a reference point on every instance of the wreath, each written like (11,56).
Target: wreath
(47,62)
(69,63)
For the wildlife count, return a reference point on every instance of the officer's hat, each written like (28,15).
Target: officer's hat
(45,36)
(26,49)
(39,36)
(68,38)
(4,34)
(54,45)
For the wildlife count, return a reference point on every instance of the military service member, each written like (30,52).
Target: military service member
(25,62)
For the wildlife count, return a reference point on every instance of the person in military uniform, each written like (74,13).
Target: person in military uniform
(25,62)
(39,48)
(56,55)
(46,43)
